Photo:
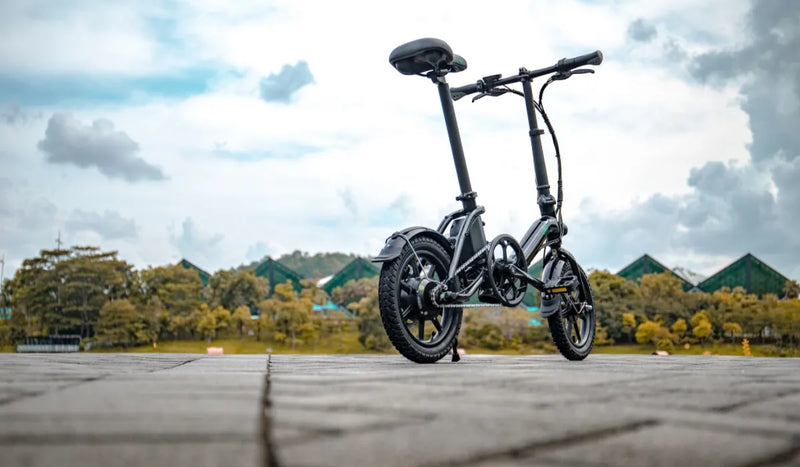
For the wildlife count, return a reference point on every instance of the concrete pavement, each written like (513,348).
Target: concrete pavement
(169,409)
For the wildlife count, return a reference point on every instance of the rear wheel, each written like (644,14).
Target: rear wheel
(421,331)
(573,326)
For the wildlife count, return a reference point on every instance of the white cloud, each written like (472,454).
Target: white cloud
(364,133)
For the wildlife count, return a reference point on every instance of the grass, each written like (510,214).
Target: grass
(697,349)
(348,344)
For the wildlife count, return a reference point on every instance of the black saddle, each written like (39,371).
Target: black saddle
(424,55)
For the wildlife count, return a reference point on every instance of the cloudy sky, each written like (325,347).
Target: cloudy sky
(222,132)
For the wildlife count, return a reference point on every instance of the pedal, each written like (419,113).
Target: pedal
(565,285)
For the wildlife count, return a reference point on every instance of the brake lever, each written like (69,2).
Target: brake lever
(491,92)
(567,74)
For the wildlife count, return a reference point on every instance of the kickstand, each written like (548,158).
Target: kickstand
(456,356)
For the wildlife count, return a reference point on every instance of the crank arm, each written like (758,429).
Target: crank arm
(465,295)
(530,280)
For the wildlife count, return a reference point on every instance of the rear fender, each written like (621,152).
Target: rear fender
(396,242)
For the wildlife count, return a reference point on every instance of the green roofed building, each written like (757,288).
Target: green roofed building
(276,273)
(749,272)
(646,264)
(359,268)
(204,276)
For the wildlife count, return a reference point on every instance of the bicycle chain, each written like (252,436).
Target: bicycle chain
(459,271)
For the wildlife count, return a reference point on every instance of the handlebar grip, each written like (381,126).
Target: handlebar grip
(459,92)
(567,64)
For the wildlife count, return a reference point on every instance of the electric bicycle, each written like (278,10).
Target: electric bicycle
(428,276)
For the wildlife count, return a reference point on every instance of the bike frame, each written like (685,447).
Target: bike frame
(471,239)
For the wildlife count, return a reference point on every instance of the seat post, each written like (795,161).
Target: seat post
(467,196)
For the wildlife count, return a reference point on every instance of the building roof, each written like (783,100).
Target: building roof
(204,275)
(359,268)
(277,273)
(749,272)
(646,264)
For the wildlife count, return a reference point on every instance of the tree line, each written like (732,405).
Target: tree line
(91,293)
(656,310)
(88,292)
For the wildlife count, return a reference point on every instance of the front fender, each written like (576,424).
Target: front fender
(396,242)
(552,270)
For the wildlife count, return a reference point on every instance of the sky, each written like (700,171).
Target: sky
(222,132)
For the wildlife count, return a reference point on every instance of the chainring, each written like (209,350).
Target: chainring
(504,253)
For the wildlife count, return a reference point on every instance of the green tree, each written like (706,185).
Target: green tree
(791,289)
(628,324)
(120,323)
(613,297)
(288,312)
(371,333)
(179,291)
(242,320)
(679,327)
(354,290)
(732,329)
(701,330)
(232,289)
(662,297)
(646,332)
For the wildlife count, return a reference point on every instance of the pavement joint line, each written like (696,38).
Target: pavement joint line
(528,450)
(267,444)
(175,366)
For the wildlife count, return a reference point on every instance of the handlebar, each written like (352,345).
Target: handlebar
(563,66)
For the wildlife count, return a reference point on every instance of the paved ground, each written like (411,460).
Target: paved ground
(111,409)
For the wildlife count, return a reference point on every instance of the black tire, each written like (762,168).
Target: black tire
(436,329)
(573,330)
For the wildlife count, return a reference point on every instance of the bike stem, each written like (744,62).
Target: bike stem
(467,196)
(544,199)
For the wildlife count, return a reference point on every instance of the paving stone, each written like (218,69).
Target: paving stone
(169,409)
(669,445)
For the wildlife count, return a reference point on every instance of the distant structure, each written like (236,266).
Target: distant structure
(646,264)
(748,272)
(276,273)
(359,268)
(204,276)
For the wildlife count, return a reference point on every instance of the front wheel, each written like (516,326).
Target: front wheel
(573,325)
(421,331)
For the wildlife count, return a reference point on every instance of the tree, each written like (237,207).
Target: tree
(613,297)
(179,291)
(288,312)
(354,290)
(371,333)
(679,327)
(242,320)
(791,289)
(701,330)
(628,324)
(232,289)
(120,323)
(653,332)
(662,296)
(733,330)
(646,332)
(62,291)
